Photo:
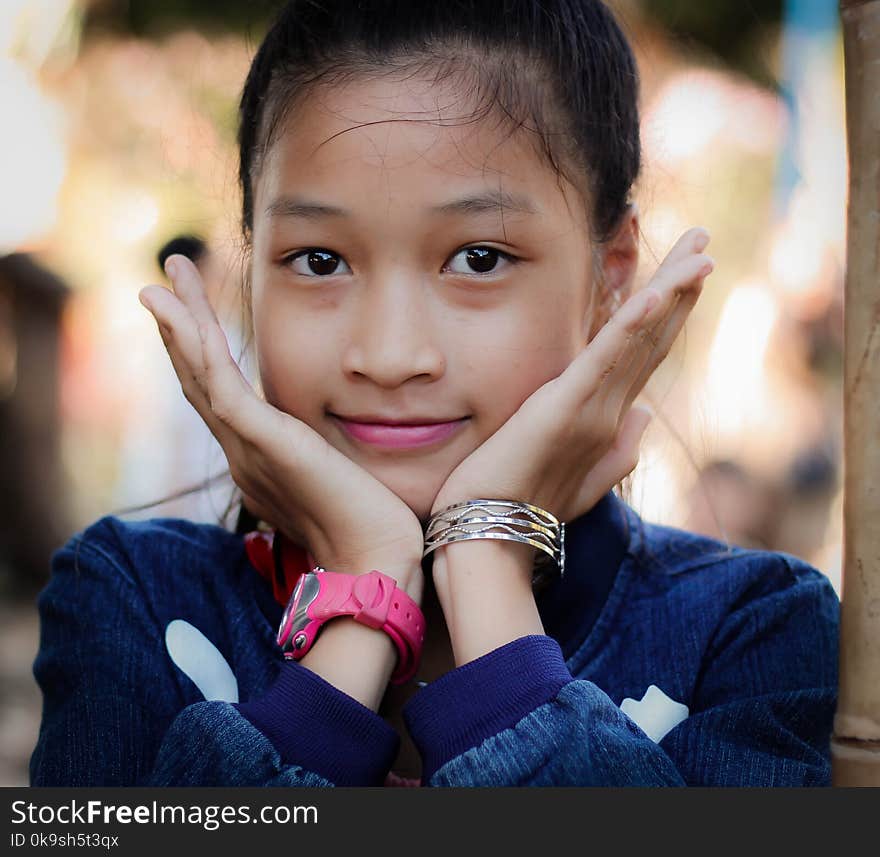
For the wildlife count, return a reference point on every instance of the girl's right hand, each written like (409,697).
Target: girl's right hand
(291,477)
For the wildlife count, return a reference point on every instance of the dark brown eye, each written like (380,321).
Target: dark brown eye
(478,260)
(482,259)
(317,263)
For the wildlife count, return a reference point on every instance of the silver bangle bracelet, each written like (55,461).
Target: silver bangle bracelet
(506,520)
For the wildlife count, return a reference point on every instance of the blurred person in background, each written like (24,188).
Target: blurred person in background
(194,248)
(730,503)
(33,503)
(808,490)
(791,514)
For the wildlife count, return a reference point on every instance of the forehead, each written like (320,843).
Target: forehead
(412,142)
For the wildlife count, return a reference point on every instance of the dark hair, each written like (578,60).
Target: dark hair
(191,246)
(561,69)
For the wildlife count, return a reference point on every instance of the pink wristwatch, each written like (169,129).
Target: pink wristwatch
(373,599)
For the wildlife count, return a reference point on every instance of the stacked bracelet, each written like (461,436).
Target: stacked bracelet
(502,519)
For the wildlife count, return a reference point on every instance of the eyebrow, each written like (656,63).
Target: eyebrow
(489,201)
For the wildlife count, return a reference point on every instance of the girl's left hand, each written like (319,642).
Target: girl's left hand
(576,436)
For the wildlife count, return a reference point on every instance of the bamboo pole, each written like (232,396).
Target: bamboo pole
(855,744)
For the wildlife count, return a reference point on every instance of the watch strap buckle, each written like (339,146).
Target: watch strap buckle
(372,603)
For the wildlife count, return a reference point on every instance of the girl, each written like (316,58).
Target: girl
(442,250)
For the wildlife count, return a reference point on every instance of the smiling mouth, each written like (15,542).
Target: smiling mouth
(398,435)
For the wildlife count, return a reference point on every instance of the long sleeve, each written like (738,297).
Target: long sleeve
(480,725)
(760,706)
(116,711)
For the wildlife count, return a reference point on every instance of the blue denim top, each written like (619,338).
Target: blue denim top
(668,659)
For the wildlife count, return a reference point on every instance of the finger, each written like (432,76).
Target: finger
(176,327)
(231,397)
(624,451)
(618,462)
(252,433)
(188,286)
(695,240)
(222,386)
(175,318)
(676,278)
(585,373)
(685,267)
(662,347)
(216,387)
(659,343)
(228,396)
(680,287)
(615,341)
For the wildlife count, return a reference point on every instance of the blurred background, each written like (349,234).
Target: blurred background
(120,137)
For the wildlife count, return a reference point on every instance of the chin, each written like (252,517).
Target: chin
(420,505)
(416,497)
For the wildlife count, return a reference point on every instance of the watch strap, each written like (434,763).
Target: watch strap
(373,599)
(378,602)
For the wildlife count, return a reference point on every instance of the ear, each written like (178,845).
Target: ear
(619,258)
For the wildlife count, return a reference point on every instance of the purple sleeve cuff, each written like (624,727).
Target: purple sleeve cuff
(315,725)
(479,699)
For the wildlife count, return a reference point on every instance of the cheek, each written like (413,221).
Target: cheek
(507,383)
(292,365)
(514,359)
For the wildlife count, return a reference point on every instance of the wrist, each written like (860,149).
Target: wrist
(485,590)
(408,575)
(372,599)
(355,659)
(501,520)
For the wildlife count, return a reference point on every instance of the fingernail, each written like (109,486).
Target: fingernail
(171,267)
(701,242)
(707,268)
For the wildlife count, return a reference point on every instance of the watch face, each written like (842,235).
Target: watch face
(289,610)
(295,617)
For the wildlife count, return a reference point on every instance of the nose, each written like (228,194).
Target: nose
(392,335)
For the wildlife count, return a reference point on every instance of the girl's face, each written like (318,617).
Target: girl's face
(420,271)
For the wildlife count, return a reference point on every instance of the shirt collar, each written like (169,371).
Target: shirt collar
(595,545)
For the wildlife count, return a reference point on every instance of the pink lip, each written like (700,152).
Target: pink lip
(399,437)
